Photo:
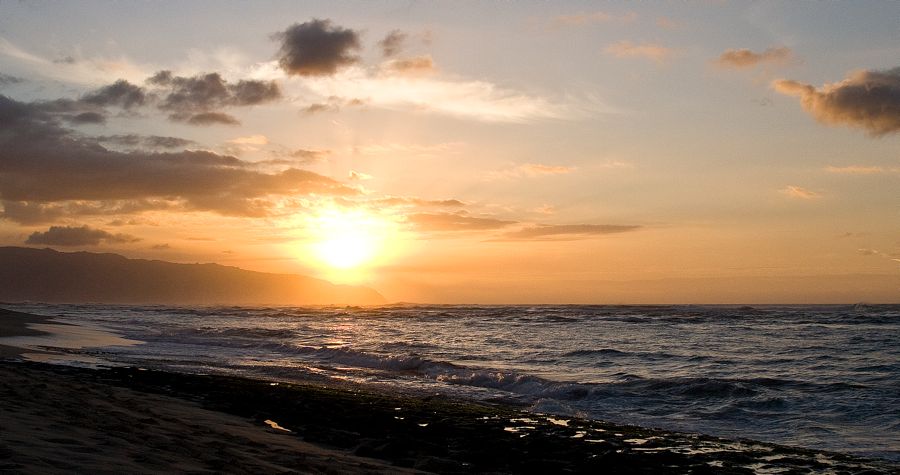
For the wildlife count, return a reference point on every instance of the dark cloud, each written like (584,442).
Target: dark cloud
(869,100)
(211,118)
(205,92)
(317,48)
(87,118)
(35,212)
(6,79)
(744,58)
(42,162)
(161,247)
(196,100)
(77,236)
(567,231)
(120,93)
(454,222)
(148,141)
(393,43)
(250,93)
(65,60)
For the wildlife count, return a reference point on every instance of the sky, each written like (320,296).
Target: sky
(466,152)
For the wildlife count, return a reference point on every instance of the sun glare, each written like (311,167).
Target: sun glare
(348,240)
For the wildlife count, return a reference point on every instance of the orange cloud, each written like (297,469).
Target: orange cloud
(530,170)
(652,51)
(800,193)
(417,65)
(744,58)
(855,170)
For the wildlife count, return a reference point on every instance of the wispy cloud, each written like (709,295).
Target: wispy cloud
(528,170)
(478,100)
(454,222)
(567,232)
(800,193)
(745,58)
(79,70)
(860,170)
(419,150)
(651,51)
(591,18)
(414,66)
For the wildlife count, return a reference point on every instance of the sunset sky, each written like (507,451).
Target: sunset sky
(464,151)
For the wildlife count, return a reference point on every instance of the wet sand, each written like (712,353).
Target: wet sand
(59,419)
(17,324)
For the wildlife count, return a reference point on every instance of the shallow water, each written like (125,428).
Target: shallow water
(825,377)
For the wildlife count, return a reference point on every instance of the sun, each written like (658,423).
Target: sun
(345,240)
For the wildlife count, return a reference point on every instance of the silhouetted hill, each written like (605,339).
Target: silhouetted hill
(45,275)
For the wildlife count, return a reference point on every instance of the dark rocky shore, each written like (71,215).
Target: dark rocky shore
(436,434)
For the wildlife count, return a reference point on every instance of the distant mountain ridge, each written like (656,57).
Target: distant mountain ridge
(46,275)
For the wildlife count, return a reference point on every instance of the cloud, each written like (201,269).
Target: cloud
(332,104)
(744,58)
(590,18)
(317,48)
(393,43)
(443,222)
(161,247)
(405,202)
(420,150)
(667,23)
(31,212)
(856,170)
(417,65)
(800,193)
(310,154)
(120,93)
(295,157)
(42,162)
(212,118)
(868,100)
(567,231)
(529,170)
(6,80)
(479,100)
(197,99)
(354,175)
(250,140)
(77,236)
(87,118)
(652,51)
(148,141)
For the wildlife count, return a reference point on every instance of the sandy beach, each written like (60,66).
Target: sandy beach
(63,419)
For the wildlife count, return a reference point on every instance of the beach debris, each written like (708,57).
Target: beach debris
(275,425)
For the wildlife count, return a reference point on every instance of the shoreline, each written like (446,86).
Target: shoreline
(359,430)
(64,417)
(13,324)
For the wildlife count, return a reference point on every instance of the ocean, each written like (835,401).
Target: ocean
(822,377)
